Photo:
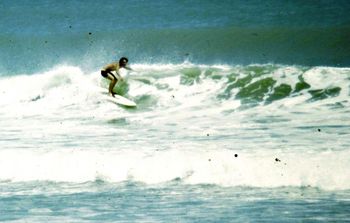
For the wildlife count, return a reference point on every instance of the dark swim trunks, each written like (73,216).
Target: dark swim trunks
(105,74)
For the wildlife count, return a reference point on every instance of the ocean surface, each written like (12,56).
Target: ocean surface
(243,111)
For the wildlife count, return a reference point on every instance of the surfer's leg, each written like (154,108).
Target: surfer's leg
(111,86)
(113,80)
(110,76)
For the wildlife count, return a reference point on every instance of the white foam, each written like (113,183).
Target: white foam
(67,93)
(326,170)
(325,77)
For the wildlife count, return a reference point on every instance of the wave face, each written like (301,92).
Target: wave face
(257,125)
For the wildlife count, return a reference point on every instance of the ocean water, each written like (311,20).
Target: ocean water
(242,111)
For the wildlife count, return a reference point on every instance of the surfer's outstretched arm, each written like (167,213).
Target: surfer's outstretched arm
(128,68)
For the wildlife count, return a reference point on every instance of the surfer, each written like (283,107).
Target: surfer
(106,72)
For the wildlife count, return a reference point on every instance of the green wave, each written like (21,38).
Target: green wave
(256,84)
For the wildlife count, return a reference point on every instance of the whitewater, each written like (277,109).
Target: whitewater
(189,125)
(260,128)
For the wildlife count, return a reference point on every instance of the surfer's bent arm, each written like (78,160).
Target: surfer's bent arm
(119,77)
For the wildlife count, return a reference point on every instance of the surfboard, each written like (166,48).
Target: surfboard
(117,99)
(120,100)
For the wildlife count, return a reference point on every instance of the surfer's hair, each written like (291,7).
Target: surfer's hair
(123,59)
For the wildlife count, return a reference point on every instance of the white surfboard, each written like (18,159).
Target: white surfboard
(120,100)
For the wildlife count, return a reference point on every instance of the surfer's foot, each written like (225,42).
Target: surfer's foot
(111,94)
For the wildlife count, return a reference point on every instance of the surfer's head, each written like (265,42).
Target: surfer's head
(123,61)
